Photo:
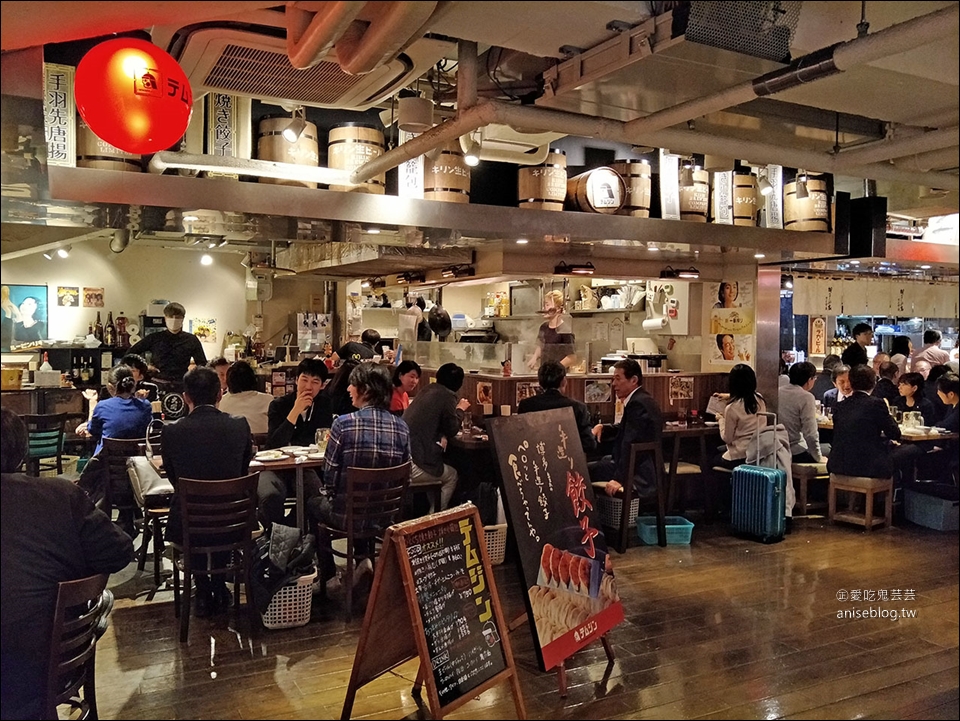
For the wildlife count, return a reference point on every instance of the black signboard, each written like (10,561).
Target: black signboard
(571,591)
(434,596)
(455,607)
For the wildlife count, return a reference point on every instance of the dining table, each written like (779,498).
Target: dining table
(676,432)
(908,434)
(293,460)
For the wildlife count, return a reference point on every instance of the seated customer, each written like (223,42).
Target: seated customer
(841,387)
(553,380)
(862,429)
(798,413)
(910,388)
(739,420)
(205,445)
(886,387)
(221,365)
(293,420)
(406,378)
(138,366)
(121,416)
(824,380)
(642,422)
(932,394)
(372,437)
(336,394)
(434,416)
(51,532)
(243,398)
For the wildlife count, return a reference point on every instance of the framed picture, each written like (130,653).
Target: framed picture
(24,316)
(93,297)
(68,296)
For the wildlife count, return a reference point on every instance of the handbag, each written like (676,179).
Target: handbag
(150,489)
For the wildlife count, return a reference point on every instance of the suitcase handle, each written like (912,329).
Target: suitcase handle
(773,417)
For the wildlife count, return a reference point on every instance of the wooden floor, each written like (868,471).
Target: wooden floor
(723,628)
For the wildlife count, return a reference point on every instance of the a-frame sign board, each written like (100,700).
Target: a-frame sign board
(449,615)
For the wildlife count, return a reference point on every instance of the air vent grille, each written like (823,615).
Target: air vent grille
(759,29)
(262,73)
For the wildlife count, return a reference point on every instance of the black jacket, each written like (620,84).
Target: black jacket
(862,429)
(642,422)
(553,398)
(280,432)
(887,390)
(854,355)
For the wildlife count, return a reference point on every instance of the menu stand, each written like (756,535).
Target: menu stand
(440,566)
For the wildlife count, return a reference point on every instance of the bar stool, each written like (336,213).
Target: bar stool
(804,474)
(869,487)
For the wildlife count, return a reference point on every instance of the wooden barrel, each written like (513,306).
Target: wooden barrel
(543,187)
(636,180)
(271,145)
(695,199)
(92,152)
(810,213)
(600,190)
(744,200)
(448,177)
(350,145)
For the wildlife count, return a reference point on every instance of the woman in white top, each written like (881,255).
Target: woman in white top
(243,398)
(738,424)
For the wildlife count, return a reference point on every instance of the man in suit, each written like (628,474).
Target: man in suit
(862,430)
(206,445)
(824,380)
(642,422)
(886,387)
(841,387)
(553,380)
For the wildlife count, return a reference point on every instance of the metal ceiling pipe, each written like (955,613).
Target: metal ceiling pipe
(310,35)
(364,48)
(466,74)
(925,162)
(887,149)
(814,66)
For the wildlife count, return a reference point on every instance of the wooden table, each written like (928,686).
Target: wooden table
(907,435)
(294,463)
(701,432)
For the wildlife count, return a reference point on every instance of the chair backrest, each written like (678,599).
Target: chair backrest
(259,441)
(219,516)
(374,498)
(115,453)
(45,434)
(637,450)
(73,646)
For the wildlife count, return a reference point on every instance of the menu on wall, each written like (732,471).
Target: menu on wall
(434,596)
(571,592)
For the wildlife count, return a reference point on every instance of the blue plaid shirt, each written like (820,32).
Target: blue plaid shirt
(368,438)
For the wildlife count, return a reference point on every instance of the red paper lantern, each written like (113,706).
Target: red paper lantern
(133,95)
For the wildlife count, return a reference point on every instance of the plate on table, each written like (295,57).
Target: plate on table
(315,456)
(711,424)
(296,450)
(267,456)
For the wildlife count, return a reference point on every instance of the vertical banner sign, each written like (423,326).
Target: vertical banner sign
(774,201)
(818,336)
(221,129)
(669,186)
(571,593)
(59,115)
(723,198)
(410,178)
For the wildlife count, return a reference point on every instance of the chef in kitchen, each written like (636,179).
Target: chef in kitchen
(555,341)
(173,349)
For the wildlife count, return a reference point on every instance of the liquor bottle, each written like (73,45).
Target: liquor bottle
(98,328)
(45,366)
(90,328)
(123,338)
(85,371)
(110,331)
(76,369)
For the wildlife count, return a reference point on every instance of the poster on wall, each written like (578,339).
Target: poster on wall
(205,329)
(68,296)
(93,297)
(729,317)
(24,316)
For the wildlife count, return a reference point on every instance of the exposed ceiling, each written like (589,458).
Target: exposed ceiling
(613,61)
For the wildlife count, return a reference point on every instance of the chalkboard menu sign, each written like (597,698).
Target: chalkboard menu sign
(571,594)
(455,607)
(451,618)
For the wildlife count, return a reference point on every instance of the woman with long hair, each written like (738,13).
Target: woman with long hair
(739,423)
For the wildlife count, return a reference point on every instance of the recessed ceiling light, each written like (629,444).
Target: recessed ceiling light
(522,241)
(759,255)
(206,259)
(652,248)
(854,262)
(925,267)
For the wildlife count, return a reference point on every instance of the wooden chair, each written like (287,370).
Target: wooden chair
(219,518)
(119,494)
(152,493)
(71,663)
(45,440)
(259,441)
(623,533)
(869,487)
(374,500)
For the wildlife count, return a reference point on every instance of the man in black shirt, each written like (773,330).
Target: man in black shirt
(293,420)
(855,354)
(172,349)
(886,387)
(553,380)
(366,349)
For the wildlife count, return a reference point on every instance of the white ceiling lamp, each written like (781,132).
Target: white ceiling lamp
(802,193)
(206,259)
(295,129)
(48,255)
(763,185)
(471,150)
(415,114)
(65,251)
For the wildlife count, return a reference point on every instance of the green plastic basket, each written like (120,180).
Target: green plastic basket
(679,530)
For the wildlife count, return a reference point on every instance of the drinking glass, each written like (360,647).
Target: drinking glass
(322,437)
(682,417)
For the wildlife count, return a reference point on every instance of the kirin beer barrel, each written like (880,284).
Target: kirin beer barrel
(810,213)
(544,187)
(600,190)
(350,145)
(695,199)
(448,177)
(271,145)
